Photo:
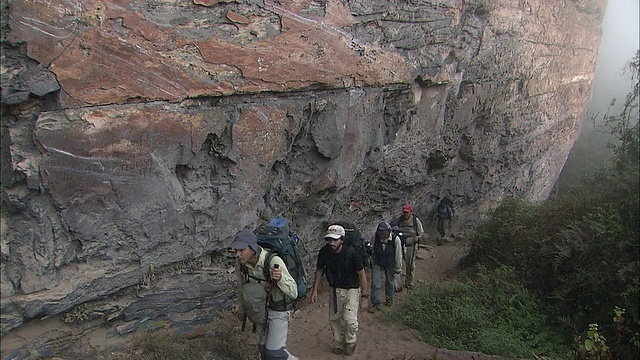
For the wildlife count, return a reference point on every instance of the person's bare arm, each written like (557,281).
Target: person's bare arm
(420,235)
(364,287)
(314,289)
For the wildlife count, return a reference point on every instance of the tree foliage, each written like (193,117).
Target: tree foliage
(624,126)
(580,257)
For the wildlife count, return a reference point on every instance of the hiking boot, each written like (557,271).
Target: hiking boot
(389,303)
(374,308)
(351,348)
(337,351)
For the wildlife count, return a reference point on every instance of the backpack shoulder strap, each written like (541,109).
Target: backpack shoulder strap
(265,269)
(415,223)
(267,265)
(267,275)
(396,239)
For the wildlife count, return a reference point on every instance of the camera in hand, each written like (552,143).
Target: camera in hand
(368,248)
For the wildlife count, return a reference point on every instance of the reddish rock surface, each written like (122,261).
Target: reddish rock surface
(109,52)
(138,137)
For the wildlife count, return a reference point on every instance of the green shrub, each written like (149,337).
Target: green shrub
(491,313)
(579,253)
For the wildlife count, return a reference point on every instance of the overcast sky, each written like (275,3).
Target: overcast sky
(620,41)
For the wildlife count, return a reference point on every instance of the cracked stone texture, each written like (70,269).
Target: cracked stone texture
(138,137)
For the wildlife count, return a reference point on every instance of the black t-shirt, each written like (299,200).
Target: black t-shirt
(342,268)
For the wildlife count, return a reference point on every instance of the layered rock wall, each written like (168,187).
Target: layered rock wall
(138,137)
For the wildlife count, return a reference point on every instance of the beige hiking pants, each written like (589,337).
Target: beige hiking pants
(410,259)
(343,316)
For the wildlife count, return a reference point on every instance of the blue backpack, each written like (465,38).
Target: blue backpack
(276,238)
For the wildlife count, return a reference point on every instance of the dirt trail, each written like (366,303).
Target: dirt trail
(309,333)
(310,336)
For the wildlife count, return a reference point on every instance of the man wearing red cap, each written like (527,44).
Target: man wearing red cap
(411,228)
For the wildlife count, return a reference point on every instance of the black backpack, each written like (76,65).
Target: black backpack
(354,238)
(276,238)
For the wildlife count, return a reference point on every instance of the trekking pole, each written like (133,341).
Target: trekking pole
(244,322)
(266,304)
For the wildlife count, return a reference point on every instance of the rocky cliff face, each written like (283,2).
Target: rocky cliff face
(138,137)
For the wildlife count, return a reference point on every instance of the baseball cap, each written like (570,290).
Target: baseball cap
(243,239)
(335,232)
(384,226)
(407,208)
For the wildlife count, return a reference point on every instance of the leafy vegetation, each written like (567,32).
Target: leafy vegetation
(624,126)
(580,261)
(490,312)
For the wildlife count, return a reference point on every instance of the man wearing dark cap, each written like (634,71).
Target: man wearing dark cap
(344,272)
(257,283)
(387,259)
(445,214)
(411,228)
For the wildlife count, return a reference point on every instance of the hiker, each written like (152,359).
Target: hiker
(387,259)
(277,290)
(344,272)
(445,214)
(411,228)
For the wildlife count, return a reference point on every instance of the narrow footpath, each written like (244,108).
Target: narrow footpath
(310,335)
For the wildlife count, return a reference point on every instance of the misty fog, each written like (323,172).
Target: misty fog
(619,43)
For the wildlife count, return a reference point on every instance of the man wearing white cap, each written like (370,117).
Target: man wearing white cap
(256,285)
(344,272)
